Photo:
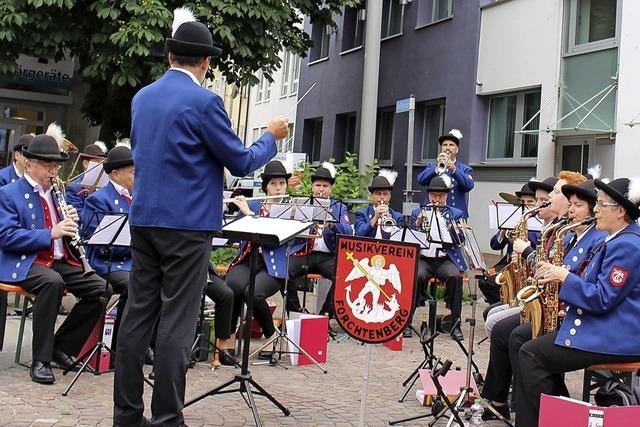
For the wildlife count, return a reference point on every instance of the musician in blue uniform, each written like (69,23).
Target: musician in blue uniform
(15,170)
(370,220)
(446,262)
(318,256)
(601,302)
(76,194)
(34,257)
(461,174)
(272,261)
(181,139)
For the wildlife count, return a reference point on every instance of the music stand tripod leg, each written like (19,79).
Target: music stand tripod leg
(84,366)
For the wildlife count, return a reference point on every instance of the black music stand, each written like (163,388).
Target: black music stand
(258,230)
(113,230)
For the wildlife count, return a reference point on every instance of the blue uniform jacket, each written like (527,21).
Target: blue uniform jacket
(181,140)
(72,197)
(364,217)
(578,252)
(104,201)
(22,231)
(8,175)
(454,252)
(274,257)
(603,304)
(461,181)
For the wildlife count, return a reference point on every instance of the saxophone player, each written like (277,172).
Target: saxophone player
(34,257)
(370,221)
(601,304)
(461,174)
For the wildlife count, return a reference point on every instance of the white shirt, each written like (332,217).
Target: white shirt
(15,168)
(120,189)
(319,245)
(188,73)
(58,248)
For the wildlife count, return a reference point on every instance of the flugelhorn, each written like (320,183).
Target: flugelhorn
(441,166)
(386,222)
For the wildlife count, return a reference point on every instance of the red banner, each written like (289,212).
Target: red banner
(375,287)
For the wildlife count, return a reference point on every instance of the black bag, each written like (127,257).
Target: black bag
(615,393)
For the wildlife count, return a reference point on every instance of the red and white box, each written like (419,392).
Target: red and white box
(310,332)
(567,412)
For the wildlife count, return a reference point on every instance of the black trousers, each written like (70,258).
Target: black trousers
(490,289)
(542,364)
(314,263)
(445,270)
(222,296)
(119,281)
(48,285)
(266,286)
(167,280)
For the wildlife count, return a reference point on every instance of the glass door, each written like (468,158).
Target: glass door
(9,133)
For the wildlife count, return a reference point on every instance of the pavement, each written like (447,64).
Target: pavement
(314,398)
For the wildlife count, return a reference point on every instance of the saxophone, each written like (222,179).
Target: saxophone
(513,276)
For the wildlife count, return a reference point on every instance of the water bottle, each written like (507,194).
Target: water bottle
(476,413)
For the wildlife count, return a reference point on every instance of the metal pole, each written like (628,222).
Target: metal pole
(370,73)
(408,206)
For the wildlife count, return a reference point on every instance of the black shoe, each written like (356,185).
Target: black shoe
(502,410)
(227,357)
(456,333)
(407,333)
(63,360)
(149,357)
(40,373)
(263,355)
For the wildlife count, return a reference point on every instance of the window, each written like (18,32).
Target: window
(320,35)
(290,74)
(430,11)
(392,16)
(352,27)
(592,25)
(429,126)
(508,114)
(264,89)
(384,134)
(286,144)
(345,135)
(312,138)
(441,10)
(257,133)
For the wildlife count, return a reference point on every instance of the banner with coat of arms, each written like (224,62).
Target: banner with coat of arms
(375,287)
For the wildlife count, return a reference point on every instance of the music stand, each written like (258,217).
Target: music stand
(259,231)
(113,230)
(504,216)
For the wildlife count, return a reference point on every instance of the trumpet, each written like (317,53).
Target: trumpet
(443,158)
(386,222)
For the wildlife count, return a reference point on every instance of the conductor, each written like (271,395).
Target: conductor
(176,122)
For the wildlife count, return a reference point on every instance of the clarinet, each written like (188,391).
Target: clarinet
(72,243)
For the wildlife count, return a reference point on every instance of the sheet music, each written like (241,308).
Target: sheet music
(282,229)
(291,211)
(90,177)
(108,228)
(505,216)
(322,208)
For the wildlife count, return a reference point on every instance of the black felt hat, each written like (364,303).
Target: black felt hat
(326,171)
(453,135)
(618,190)
(117,158)
(189,37)
(439,183)
(525,191)
(92,150)
(273,169)
(384,181)
(44,147)
(546,185)
(585,191)
(22,141)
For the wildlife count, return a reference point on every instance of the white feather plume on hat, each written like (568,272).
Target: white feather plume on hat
(330,167)
(389,175)
(55,131)
(447,179)
(124,142)
(180,16)
(634,190)
(456,133)
(101,145)
(595,171)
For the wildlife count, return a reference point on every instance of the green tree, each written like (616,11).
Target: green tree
(118,44)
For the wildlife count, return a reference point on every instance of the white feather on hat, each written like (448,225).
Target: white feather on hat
(456,133)
(595,171)
(634,190)
(180,16)
(124,142)
(330,167)
(55,131)
(389,175)
(101,145)
(606,180)
(447,179)
(534,179)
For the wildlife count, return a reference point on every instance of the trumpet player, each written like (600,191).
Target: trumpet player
(448,262)
(601,304)
(318,255)
(378,218)
(461,174)
(34,257)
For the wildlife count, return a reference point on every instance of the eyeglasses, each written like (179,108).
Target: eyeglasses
(604,204)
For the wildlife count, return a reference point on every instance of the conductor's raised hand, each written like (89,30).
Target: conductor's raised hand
(279,127)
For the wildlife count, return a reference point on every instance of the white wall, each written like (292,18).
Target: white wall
(628,97)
